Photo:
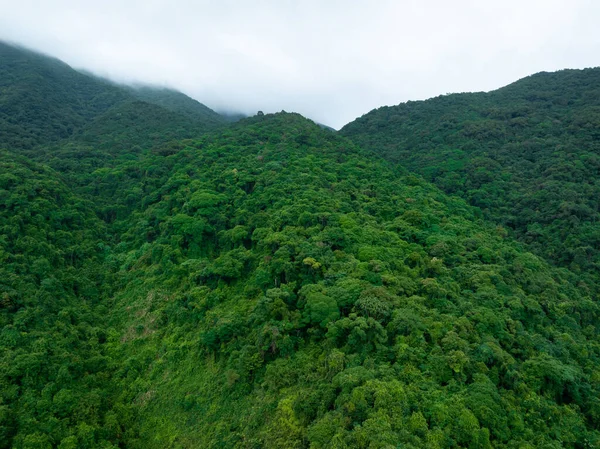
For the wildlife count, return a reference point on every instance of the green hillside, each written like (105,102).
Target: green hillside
(167,281)
(43,101)
(283,288)
(137,124)
(55,375)
(528,155)
(174,101)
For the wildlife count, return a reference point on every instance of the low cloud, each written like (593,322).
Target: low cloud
(329,60)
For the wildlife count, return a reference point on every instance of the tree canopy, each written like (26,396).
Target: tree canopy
(272,283)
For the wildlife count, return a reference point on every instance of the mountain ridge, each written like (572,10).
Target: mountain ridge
(44,100)
(271,283)
(521,153)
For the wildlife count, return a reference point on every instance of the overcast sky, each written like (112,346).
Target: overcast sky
(331,60)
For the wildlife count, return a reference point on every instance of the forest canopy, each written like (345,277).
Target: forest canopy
(172,280)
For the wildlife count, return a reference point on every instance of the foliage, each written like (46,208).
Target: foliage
(326,299)
(271,284)
(526,154)
(55,385)
(43,100)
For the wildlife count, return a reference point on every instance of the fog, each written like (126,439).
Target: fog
(329,60)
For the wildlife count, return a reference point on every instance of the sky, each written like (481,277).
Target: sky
(330,60)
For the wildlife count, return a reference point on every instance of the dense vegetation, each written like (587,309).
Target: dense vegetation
(174,101)
(289,291)
(272,284)
(54,374)
(43,100)
(528,155)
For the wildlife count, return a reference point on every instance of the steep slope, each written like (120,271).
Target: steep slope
(43,100)
(280,287)
(528,155)
(55,376)
(174,101)
(137,124)
(271,285)
(120,137)
(79,124)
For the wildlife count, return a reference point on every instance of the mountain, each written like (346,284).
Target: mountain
(268,283)
(281,287)
(138,124)
(528,155)
(43,101)
(175,101)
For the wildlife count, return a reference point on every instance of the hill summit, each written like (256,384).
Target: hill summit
(171,280)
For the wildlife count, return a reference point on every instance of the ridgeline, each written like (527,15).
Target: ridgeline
(173,280)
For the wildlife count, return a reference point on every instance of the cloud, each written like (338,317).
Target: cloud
(330,60)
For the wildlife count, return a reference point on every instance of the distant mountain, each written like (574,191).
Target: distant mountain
(43,100)
(327,127)
(175,101)
(140,124)
(233,116)
(167,281)
(528,155)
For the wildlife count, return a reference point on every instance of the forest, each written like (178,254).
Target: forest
(527,155)
(427,277)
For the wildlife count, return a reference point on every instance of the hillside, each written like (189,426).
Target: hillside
(174,101)
(273,285)
(55,375)
(528,155)
(44,101)
(169,282)
(281,287)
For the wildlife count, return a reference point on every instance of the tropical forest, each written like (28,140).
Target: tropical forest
(173,278)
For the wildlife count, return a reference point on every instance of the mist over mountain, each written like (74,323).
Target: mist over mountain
(173,278)
(44,100)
